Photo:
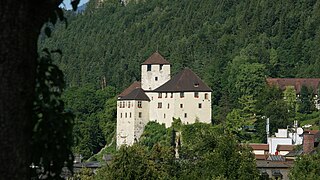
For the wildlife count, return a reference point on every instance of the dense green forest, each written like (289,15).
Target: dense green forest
(232,45)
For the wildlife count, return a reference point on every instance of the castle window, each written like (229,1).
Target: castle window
(159,105)
(200,105)
(181,94)
(140,114)
(196,84)
(206,96)
(156,78)
(196,94)
(166,95)
(181,105)
(130,115)
(171,95)
(125,115)
(160,66)
(139,104)
(159,95)
(164,116)
(128,104)
(185,115)
(149,67)
(120,115)
(168,105)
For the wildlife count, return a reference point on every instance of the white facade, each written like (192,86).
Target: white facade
(131,119)
(188,106)
(283,137)
(154,75)
(185,96)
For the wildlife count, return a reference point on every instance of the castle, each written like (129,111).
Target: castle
(160,98)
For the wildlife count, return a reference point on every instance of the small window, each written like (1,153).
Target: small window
(159,95)
(206,96)
(171,95)
(156,78)
(196,84)
(120,115)
(200,105)
(128,104)
(160,66)
(140,114)
(185,115)
(159,105)
(181,94)
(130,115)
(139,104)
(168,105)
(149,67)
(166,95)
(181,105)
(125,115)
(164,116)
(196,94)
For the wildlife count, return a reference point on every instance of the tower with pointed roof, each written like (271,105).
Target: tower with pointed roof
(155,71)
(161,98)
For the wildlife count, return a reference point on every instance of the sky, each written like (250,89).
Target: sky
(67,4)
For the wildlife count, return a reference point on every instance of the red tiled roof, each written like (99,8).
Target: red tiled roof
(259,146)
(132,87)
(155,58)
(184,81)
(297,83)
(285,147)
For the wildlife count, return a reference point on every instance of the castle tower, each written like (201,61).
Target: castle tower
(155,71)
(132,115)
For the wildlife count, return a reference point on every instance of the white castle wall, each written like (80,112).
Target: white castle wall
(171,107)
(129,125)
(151,80)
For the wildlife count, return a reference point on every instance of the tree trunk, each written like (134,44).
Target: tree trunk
(20,24)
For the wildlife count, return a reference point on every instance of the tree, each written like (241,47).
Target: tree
(290,98)
(306,167)
(21,24)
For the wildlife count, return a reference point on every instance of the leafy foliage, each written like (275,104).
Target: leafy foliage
(306,167)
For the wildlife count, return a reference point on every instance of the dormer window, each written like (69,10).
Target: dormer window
(196,84)
(148,67)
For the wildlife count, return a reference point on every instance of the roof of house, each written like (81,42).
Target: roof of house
(274,164)
(184,81)
(132,87)
(316,133)
(285,147)
(155,58)
(297,83)
(136,94)
(260,156)
(259,146)
(276,158)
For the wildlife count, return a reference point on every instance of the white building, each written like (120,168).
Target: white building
(285,137)
(161,98)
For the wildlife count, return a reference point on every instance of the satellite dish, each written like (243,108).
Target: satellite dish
(299,131)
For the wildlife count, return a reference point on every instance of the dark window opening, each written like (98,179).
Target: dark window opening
(140,114)
(181,105)
(139,104)
(200,105)
(196,94)
(159,105)
(156,78)
(185,115)
(149,67)
(159,95)
(161,66)
(181,94)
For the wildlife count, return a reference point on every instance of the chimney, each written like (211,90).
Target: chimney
(308,143)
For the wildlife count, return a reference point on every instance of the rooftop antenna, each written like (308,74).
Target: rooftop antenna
(267,128)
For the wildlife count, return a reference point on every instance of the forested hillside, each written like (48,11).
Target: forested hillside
(232,45)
